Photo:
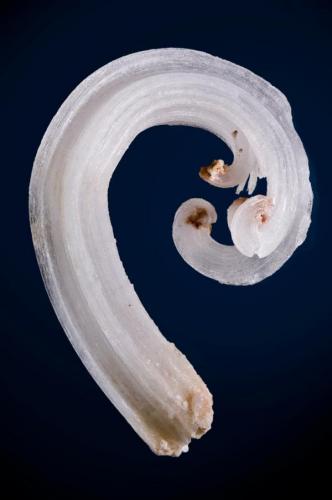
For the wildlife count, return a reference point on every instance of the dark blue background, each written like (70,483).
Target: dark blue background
(264,351)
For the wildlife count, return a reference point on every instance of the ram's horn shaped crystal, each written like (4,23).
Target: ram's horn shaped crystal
(148,380)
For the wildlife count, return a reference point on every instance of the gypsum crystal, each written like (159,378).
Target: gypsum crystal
(148,380)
